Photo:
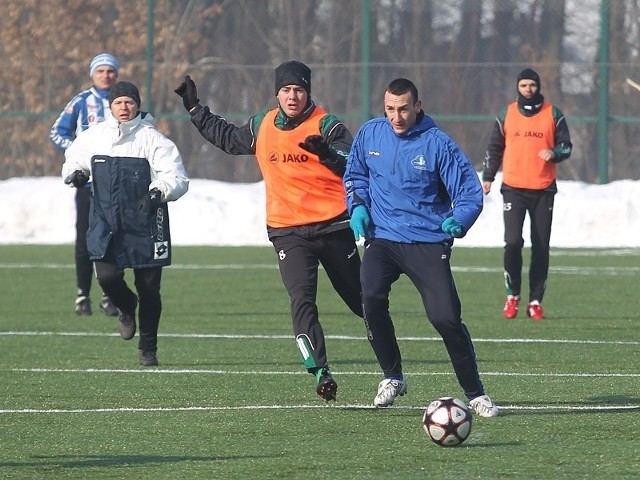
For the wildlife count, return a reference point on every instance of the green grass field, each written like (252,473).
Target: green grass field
(231,400)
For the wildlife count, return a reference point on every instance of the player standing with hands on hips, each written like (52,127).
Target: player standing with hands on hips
(301,151)
(135,171)
(529,138)
(411,190)
(84,110)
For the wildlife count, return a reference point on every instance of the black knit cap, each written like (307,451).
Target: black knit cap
(529,74)
(293,73)
(124,89)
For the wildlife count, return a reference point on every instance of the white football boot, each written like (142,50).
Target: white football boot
(388,390)
(484,407)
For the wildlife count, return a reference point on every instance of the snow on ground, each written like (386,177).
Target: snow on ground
(41,211)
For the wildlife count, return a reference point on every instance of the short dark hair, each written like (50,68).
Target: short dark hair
(400,86)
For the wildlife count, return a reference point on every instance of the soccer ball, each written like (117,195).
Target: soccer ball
(447,421)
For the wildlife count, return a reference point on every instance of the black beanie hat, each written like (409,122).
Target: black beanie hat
(293,73)
(529,74)
(124,89)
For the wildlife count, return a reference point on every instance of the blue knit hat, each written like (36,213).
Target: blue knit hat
(103,59)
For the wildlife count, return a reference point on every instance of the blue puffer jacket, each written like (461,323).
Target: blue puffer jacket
(410,183)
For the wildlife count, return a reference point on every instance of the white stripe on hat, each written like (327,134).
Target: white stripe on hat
(102,59)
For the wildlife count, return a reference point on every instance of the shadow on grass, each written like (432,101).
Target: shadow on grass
(91,461)
(470,444)
(354,362)
(615,399)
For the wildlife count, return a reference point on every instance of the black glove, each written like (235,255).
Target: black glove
(317,145)
(189,93)
(151,201)
(78,179)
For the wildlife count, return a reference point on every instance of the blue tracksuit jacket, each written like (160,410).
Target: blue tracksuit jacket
(85,109)
(410,183)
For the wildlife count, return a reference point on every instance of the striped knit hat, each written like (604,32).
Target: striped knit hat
(103,59)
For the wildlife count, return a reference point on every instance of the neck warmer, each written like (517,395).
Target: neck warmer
(532,105)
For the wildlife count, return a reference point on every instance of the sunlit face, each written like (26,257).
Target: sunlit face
(124,109)
(401,111)
(292,99)
(104,77)
(527,88)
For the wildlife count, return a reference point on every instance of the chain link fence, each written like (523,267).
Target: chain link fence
(464,56)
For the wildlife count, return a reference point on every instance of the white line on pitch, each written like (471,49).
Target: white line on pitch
(330,337)
(593,408)
(300,372)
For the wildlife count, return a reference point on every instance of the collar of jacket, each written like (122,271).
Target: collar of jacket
(423,123)
(101,92)
(125,128)
(284,122)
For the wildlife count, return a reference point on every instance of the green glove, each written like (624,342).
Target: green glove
(360,221)
(452,227)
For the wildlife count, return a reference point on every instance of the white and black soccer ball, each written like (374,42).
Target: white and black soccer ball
(447,421)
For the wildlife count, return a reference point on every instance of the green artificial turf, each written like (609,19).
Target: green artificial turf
(231,400)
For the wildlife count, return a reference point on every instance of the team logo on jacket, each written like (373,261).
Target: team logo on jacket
(161,250)
(288,157)
(419,163)
(529,133)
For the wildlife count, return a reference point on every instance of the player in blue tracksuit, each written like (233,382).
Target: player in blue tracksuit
(410,191)
(85,109)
